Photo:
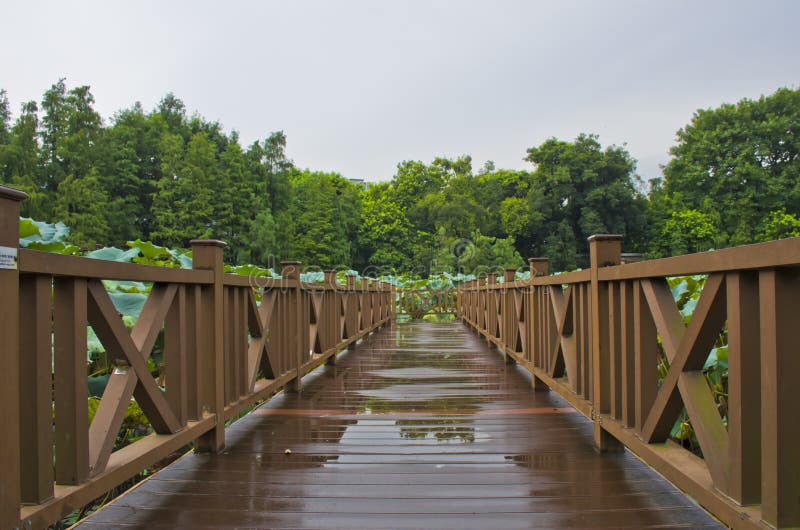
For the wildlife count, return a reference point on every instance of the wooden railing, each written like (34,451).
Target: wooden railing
(420,302)
(223,352)
(595,337)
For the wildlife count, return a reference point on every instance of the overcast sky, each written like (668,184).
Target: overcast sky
(358,86)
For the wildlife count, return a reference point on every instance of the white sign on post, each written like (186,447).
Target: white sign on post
(8,258)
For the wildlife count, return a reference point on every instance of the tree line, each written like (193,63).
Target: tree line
(166,176)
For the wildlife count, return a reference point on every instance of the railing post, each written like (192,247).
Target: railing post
(207,255)
(604,250)
(290,272)
(9,355)
(538,267)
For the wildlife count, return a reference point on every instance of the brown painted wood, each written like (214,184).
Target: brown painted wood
(36,394)
(604,250)
(175,357)
(627,355)
(48,263)
(423,426)
(645,346)
(10,359)
(757,256)
(69,354)
(207,255)
(744,392)
(779,293)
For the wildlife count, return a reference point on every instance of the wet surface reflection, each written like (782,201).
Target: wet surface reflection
(420,426)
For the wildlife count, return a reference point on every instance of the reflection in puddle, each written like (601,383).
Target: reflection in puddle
(442,430)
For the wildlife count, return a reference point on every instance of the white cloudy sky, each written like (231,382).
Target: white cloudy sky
(360,85)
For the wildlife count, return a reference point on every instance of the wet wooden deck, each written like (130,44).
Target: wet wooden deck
(422,426)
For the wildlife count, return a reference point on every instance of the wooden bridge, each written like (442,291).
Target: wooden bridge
(415,425)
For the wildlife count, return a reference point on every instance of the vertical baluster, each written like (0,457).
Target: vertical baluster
(244,345)
(779,297)
(646,351)
(36,436)
(193,322)
(627,354)
(229,343)
(175,362)
(744,392)
(615,383)
(71,392)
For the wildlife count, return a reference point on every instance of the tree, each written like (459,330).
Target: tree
(82,207)
(234,200)
(184,206)
(687,231)
(132,169)
(736,164)
(779,225)
(19,163)
(579,189)
(326,219)
(5,117)
(385,231)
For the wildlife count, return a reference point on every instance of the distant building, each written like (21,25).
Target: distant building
(360,183)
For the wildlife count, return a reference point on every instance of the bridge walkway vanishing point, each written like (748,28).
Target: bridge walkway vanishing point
(421,426)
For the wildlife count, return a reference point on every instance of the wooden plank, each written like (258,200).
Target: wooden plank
(207,255)
(243,381)
(71,392)
(779,295)
(109,417)
(496,452)
(627,355)
(744,392)
(645,345)
(616,383)
(228,326)
(194,317)
(175,357)
(48,263)
(36,399)
(747,257)
(564,278)
(10,359)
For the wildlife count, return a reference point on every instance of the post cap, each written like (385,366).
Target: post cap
(12,194)
(605,237)
(538,260)
(208,243)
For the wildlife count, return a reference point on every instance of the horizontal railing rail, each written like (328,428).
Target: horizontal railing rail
(228,342)
(597,336)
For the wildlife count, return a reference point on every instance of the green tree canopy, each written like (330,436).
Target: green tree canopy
(735,164)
